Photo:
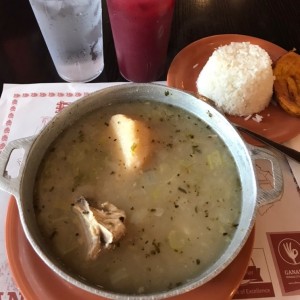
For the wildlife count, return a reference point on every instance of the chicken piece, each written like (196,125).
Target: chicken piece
(134,139)
(102,226)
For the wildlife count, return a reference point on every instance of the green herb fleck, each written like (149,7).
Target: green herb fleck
(196,149)
(209,113)
(53,234)
(180,189)
(81,136)
(133,147)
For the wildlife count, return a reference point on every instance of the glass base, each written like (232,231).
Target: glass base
(81,80)
(141,81)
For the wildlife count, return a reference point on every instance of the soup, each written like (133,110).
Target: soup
(180,200)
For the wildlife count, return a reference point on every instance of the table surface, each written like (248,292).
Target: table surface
(24,57)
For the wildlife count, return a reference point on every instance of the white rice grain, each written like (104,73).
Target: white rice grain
(257,118)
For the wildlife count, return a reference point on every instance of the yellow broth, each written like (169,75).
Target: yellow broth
(182,208)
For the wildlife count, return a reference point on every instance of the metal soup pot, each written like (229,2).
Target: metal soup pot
(36,147)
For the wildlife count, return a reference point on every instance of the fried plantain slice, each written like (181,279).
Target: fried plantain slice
(287,82)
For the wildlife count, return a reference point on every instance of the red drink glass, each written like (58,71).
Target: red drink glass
(141,32)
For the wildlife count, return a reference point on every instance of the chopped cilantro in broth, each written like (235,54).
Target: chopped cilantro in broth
(182,208)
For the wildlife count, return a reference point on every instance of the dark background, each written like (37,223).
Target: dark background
(24,57)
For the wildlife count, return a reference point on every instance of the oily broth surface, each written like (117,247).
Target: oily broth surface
(182,209)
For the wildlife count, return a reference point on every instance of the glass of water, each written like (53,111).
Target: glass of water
(72,30)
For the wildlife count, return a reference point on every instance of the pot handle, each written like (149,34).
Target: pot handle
(7,183)
(272,195)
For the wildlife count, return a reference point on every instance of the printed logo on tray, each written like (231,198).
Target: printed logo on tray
(285,247)
(257,280)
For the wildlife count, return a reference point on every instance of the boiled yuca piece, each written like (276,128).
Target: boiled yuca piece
(134,139)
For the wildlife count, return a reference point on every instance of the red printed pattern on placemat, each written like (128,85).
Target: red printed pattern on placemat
(8,123)
(285,248)
(61,105)
(11,295)
(18,96)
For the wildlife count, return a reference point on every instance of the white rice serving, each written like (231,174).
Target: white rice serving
(238,78)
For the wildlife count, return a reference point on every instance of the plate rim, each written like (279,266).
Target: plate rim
(208,40)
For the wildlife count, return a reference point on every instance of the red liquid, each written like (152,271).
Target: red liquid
(141,31)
